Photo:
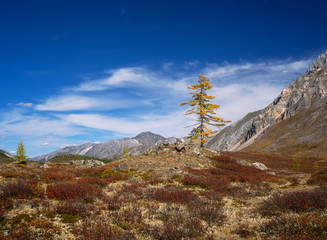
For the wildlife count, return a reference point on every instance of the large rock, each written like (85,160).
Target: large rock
(260,166)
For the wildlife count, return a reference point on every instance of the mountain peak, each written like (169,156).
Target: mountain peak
(148,138)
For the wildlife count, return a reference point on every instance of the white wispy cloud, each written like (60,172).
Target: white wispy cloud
(168,125)
(68,103)
(271,71)
(23,104)
(79,102)
(16,123)
(116,77)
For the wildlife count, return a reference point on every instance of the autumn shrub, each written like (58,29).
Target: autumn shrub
(21,189)
(93,181)
(207,178)
(178,227)
(127,218)
(135,188)
(66,191)
(18,233)
(297,201)
(2,212)
(319,178)
(111,202)
(211,212)
(172,194)
(194,181)
(259,188)
(24,226)
(41,205)
(219,179)
(51,177)
(244,231)
(237,172)
(16,175)
(74,207)
(294,181)
(305,226)
(223,159)
(99,229)
(154,180)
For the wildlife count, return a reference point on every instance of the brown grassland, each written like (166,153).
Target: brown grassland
(167,196)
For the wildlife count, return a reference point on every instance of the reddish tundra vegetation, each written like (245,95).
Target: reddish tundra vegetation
(215,199)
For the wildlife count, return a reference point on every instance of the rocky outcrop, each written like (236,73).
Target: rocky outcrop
(87,163)
(302,93)
(112,149)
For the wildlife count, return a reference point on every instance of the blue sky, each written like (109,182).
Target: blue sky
(79,70)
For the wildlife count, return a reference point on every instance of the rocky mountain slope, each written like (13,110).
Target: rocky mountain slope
(304,92)
(303,134)
(111,149)
(4,154)
(5,157)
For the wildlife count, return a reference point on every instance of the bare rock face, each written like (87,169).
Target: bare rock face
(302,93)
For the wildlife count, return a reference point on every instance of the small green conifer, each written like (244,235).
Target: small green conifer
(20,154)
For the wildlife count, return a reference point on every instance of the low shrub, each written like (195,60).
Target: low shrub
(99,229)
(211,212)
(51,177)
(24,226)
(127,218)
(154,180)
(298,201)
(194,181)
(172,194)
(2,212)
(306,226)
(111,202)
(20,233)
(223,159)
(21,189)
(178,227)
(319,178)
(41,204)
(93,180)
(227,170)
(16,175)
(244,232)
(66,191)
(74,207)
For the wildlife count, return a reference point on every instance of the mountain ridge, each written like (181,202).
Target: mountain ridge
(302,93)
(112,149)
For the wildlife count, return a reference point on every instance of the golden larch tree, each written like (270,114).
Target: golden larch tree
(20,154)
(205,111)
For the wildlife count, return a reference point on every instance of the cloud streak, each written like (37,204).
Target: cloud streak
(117,77)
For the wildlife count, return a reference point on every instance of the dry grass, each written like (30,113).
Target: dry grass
(165,196)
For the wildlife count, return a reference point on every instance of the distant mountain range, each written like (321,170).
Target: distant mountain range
(301,108)
(112,149)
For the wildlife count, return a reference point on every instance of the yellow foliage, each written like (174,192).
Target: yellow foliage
(205,111)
